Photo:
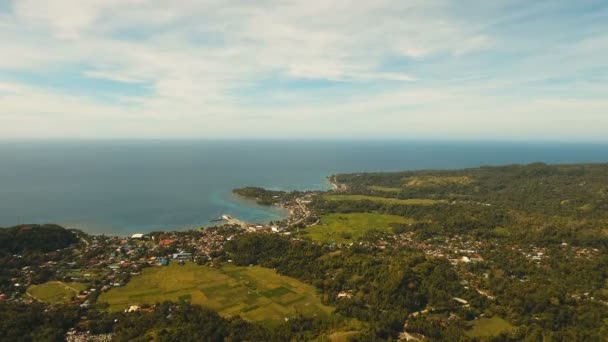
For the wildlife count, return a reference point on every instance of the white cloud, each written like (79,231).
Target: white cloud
(197,57)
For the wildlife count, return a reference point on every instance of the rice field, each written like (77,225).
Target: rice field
(254,293)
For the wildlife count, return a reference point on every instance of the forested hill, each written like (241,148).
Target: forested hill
(35,238)
(565,190)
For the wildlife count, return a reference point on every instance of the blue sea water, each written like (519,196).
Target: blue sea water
(123,187)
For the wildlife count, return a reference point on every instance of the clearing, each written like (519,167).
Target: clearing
(53,292)
(486,327)
(255,293)
(345,228)
(384,188)
(436,181)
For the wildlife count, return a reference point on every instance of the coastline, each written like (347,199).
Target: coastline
(251,203)
(337,187)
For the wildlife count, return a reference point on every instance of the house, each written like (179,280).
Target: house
(460,300)
(344,294)
(133,308)
(162,261)
(182,256)
(166,242)
(137,236)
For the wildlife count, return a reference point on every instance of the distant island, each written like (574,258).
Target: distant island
(509,253)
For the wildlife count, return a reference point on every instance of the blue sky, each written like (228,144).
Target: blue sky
(419,69)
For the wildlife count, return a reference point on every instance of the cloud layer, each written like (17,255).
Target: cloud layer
(306,69)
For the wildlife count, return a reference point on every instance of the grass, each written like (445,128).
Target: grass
(342,336)
(384,188)
(411,201)
(54,292)
(345,228)
(486,327)
(254,293)
(437,181)
(350,327)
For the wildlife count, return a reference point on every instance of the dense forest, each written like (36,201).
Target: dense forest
(33,245)
(579,191)
(34,238)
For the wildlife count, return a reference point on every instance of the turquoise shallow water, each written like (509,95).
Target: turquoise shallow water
(122,187)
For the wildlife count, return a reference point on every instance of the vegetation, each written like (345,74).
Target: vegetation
(510,213)
(34,238)
(485,327)
(565,190)
(261,195)
(430,181)
(32,245)
(189,323)
(381,293)
(345,228)
(514,253)
(410,201)
(384,188)
(55,291)
(254,293)
(35,322)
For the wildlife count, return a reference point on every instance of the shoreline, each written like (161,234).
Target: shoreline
(337,187)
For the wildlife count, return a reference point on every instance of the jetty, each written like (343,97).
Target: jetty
(229,220)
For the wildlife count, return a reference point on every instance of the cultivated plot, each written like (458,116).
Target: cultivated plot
(254,293)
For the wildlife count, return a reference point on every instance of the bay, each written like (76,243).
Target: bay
(128,186)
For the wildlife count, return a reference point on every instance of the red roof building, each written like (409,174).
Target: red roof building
(167,242)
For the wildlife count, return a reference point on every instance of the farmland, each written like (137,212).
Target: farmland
(55,291)
(254,293)
(344,228)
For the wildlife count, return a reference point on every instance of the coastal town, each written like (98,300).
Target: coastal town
(110,261)
(97,264)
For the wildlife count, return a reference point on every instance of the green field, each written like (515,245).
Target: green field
(437,181)
(412,201)
(345,228)
(55,291)
(384,188)
(342,336)
(485,327)
(254,293)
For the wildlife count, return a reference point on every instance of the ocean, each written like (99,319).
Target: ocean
(125,187)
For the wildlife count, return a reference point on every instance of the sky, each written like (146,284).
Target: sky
(403,69)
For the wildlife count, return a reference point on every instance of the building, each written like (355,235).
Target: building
(137,236)
(182,256)
(167,242)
